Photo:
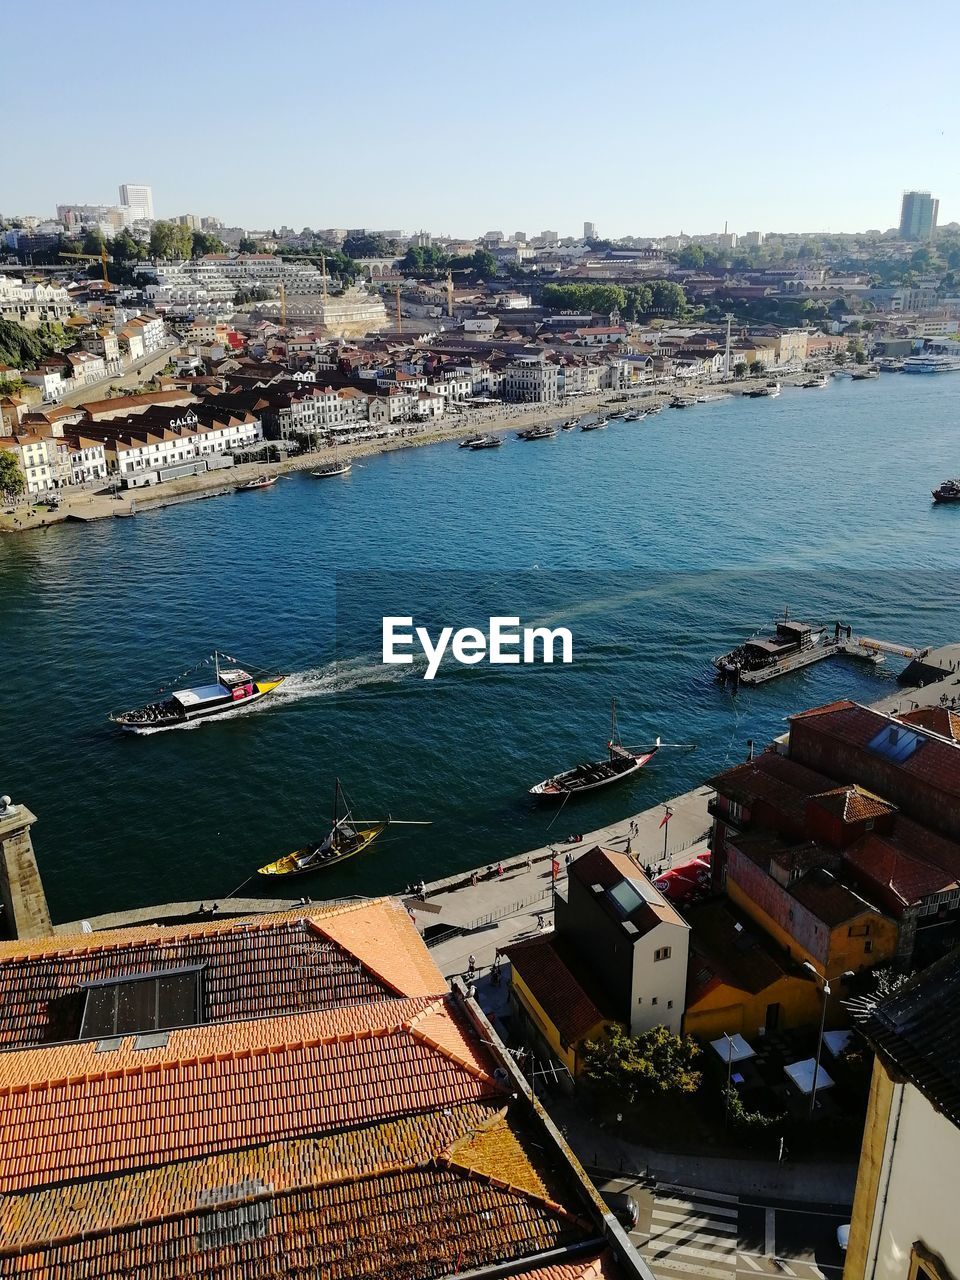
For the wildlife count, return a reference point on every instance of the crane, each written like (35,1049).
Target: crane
(100,257)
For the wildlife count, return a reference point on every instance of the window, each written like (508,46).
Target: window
(148,1002)
(655,1000)
(662,953)
(867,947)
(669,1004)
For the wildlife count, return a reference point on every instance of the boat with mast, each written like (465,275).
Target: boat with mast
(232,687)
(338,467)
(256,482)
(621,762)
(347,837)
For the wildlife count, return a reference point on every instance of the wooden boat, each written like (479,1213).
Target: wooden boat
(683,402)
(470,441)
(546,431)
(594,426)
(233,687)
(621,762)
(327,469)
(346,839)
(569,424)
(485,442)
(256,482)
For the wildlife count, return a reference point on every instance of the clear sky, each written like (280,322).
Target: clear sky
(462,118)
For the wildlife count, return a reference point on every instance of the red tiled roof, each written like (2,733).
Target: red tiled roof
(853,804)
(555,988)
(939,720)
(370,1137)
(774,779)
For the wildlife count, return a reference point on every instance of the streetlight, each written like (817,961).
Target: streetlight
(823,1019)
(845,976)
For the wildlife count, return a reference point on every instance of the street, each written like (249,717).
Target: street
(683,1232)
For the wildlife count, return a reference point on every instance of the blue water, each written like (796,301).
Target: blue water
(658,544)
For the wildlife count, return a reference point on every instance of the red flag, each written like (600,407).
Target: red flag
(666,818)
(555,868)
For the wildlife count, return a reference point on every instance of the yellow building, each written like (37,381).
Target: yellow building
(738,981)
(551,1002)
(905,1223)
(791,893)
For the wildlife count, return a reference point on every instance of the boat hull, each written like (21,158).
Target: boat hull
(567,784)
(305,861)
(263,690)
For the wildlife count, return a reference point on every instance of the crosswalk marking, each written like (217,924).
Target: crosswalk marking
(693,1234)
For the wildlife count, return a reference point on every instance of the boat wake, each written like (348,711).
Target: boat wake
(316,682)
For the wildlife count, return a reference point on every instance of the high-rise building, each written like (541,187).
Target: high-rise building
(589,231)
(918,215)
(138,199)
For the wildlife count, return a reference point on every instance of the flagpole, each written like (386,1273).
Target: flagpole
(668,814)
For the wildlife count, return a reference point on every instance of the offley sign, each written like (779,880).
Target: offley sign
(189,419)
(504,643)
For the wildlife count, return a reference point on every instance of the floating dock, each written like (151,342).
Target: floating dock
(796,645)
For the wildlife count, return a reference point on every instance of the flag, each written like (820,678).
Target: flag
(666,818)
(555,868)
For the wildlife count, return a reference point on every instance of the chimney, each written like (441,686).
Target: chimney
(25,911)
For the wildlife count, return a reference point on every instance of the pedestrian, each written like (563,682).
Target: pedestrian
(471,964)
(629,846)
(499,868)
(539,921)
(473,879)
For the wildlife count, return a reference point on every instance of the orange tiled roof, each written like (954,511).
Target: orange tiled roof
(371,1136)
(555,988)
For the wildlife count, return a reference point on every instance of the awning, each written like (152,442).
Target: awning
(732,1049)
(801,1074)
(837,1041)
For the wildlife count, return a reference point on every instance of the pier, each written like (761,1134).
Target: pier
(842,645)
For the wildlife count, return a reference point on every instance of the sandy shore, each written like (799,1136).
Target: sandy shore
(85,505)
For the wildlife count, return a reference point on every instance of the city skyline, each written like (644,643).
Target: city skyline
(559,131)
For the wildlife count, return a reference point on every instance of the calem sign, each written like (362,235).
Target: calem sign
(504,643)
(189,419)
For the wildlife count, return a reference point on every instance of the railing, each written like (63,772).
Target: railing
(491,917)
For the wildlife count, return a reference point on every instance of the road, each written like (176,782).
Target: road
(683,1233)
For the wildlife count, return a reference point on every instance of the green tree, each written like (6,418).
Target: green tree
(756,368)
(247,245)
(205,242)
(692,256)
(669,299)
(169,241)
(740,369)
(93,241)
(584,297)
(11,386)
(860,357)
(840,358)
(639,301)
(654,1062)
(12,483)
(369,245)
(125,247)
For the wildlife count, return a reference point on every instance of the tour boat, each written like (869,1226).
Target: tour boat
(865,373)
(336,468)
(621,762)
(771,390)
(819,381)
(546,431)
(232,687)
(683,402)
(594,426)
(931,364)
(569,424)
(346,839)
(486,442)
(949,491)
(257,482)
(469,442)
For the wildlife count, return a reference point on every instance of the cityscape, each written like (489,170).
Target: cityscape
(480,754)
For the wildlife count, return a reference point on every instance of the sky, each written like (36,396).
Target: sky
(646,119)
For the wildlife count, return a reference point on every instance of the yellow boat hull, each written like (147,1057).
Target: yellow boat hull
(301,863)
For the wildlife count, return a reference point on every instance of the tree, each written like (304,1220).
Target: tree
(840,358)
(369,245)
(125,247)
(756,368)
(860,357)
(205,242)
(692,256)
(639,301)
(654,1062)
(169,241)
(669,299)
(740,369)
(12,483)
(11,386)
(584,297)
(247,245)
(93,241)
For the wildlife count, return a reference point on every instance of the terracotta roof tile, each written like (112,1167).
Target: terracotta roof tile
(854,804)
(551,983)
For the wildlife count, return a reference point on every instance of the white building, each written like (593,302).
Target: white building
(531,379)
(36,459)
(136,201)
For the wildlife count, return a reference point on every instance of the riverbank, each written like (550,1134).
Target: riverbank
(86,505)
